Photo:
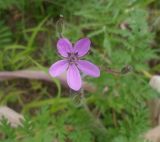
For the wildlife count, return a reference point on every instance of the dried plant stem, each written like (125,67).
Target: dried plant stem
(39,75)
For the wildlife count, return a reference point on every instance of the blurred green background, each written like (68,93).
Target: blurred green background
(123,33)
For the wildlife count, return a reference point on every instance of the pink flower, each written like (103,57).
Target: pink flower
(72,62)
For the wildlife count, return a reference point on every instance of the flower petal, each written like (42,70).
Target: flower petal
(88,68)
(74,78)
(64,47)
(57,68)
(82,46)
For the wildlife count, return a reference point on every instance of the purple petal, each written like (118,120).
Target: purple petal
(57,68)
(64,47)
(74,78)
(82,46)
(88,68)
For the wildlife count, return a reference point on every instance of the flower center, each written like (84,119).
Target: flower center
(72,58)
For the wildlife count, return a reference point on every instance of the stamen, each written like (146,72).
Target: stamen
(73,58)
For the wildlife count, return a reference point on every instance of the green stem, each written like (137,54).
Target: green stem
(97,122)
(36,104)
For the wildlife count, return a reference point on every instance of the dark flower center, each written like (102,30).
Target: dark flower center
(72,58)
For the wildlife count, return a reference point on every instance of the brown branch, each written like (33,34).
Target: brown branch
(39,75)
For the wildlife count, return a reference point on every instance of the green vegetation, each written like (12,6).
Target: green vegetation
(123,32)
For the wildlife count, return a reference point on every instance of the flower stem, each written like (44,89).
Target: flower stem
(97,123)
